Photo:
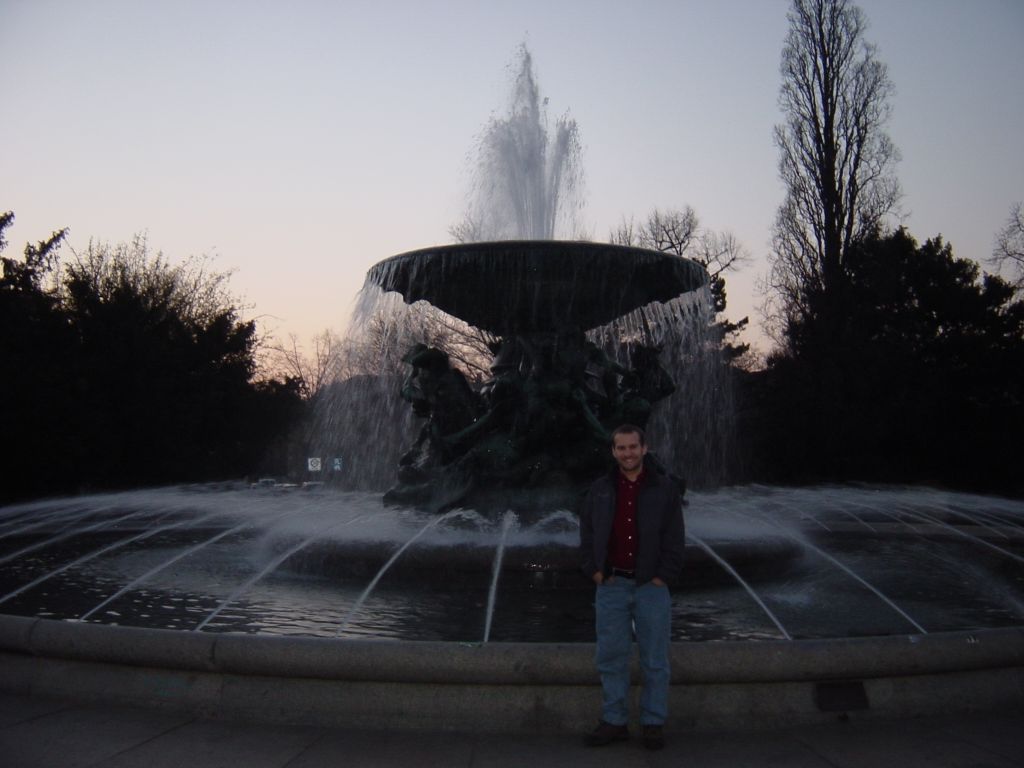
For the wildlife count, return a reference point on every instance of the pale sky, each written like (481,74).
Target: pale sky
(302,142)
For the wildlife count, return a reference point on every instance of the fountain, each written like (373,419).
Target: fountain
(536,433)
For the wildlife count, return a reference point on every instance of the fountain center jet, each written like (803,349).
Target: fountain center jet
(535,433)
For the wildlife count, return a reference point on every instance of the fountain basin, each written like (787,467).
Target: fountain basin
(764,563)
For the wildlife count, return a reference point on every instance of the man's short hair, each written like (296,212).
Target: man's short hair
(629,429)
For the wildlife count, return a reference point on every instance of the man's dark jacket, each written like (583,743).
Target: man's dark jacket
(660,531)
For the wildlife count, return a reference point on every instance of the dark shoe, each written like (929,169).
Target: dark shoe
(653,737)
(606,733)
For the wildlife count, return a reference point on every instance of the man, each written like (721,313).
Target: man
(632,539)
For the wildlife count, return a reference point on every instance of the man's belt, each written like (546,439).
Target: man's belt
(623,573)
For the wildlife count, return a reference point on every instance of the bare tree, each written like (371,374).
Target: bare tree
(467,347)
(680,232)
(385,328)
(313,370)
(836,161)
(1009,249)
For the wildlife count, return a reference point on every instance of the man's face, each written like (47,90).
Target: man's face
(629,452)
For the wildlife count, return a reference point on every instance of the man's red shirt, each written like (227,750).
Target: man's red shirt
(622,543)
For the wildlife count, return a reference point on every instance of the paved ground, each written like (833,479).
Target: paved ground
(42,733)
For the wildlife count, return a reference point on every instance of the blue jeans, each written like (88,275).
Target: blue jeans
(621,606)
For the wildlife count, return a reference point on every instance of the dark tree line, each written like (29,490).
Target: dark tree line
(121,369)
(914,375)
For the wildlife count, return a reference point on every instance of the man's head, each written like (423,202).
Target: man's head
(629,449)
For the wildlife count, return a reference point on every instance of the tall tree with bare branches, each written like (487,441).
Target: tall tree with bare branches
(835,159)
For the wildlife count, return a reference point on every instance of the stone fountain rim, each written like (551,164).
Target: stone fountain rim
(750,661)
(522,243)
(507,687)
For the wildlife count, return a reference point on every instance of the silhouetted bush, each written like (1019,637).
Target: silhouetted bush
(125,370)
